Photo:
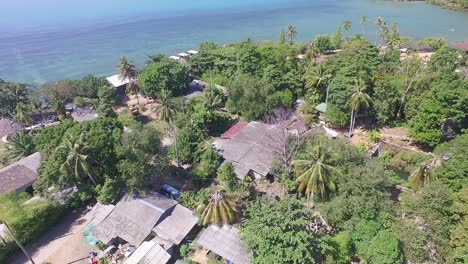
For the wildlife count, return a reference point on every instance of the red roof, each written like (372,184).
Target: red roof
(231,132)
(461,45)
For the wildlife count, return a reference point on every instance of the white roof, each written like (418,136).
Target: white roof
(149,252)
(183,54)
(331,132)
(117,81)
(174,57)
(192,52)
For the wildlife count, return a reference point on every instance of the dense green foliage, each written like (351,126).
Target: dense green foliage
(276,232)
(165,74)
(27,220)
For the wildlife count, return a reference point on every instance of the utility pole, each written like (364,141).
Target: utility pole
(17,242)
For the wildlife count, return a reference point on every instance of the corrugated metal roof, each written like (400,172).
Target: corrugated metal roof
(225,242)
(9,127)
(21,174)
(176,224)
(149,252)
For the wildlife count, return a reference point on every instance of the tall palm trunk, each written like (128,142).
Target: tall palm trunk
(403,97)
(351,124)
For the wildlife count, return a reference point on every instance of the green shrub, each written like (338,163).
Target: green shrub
(336,117)
(184,250)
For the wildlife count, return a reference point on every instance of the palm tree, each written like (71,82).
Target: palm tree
(357,100)
(212,97)
(127,71)
(77,161)
(166,108)
(133,88)
(378,24)
(363,23)
(282,39)
(221,210)
(383,32)
(36,105)
(20,146)
(292,33)
(316,76)
(313,165)
(347,25)
(23,114)
(421,176)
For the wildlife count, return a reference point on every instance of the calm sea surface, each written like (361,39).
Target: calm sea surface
(56,39)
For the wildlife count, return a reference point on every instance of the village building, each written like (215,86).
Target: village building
(8,128)
(20,175)
(251,147)
(137,220)
(225,242)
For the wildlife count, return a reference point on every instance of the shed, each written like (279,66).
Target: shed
(8,128)
(117,81)
(322,107)
(20,175)
(225,242)
(149,252)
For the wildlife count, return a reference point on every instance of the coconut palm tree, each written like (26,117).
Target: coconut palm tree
(36,105)
(220,210)
(21,145)
(166,108)
(357,100)
(316,76)
(77,162)
(292,33)
(421,176)
(378,24)
(127,71)
(364,20)
(23,114)
(383,31)
(212,97)
(347,25)
(315,170)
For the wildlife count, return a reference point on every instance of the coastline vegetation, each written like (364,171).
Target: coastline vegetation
(334,205)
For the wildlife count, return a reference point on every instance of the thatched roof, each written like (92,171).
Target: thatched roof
(21,174)
(9,127)
(225,242)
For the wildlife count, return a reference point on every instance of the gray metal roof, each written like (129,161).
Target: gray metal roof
(21,174)
(225,242)
(255,146)
(9,127)
(176,224)
(134,218)
(149,252)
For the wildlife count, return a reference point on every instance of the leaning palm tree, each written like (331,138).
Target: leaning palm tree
(378,23)
(384,32)
(421,176)
(20,146)
(315,170)
(364,20)
(23,114)
(347,25)
(292,33)
(133,88)
(77,162)
(356,101)
(221,210)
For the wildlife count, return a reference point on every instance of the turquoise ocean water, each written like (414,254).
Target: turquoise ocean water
(56,39)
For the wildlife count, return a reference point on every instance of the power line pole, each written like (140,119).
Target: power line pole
(17,242)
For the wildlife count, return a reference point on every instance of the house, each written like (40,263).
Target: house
(8,128)
(20,175)
(225,242)
(137,219)
(251,147)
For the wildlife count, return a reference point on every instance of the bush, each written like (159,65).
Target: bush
(227,175)
(208,163)
(374,136)
(336,117)
(27,221)
(184,250)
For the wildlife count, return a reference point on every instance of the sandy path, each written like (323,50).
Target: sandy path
(63,243)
